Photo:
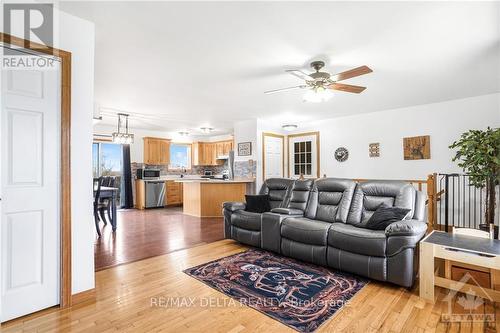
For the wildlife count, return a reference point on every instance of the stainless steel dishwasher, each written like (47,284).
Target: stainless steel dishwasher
(155,193)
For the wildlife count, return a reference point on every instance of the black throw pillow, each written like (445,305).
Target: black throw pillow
(385,215)
(258,203)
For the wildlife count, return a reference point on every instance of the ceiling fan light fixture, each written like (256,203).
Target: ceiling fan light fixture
(183,133)
(289,127)
(317,95)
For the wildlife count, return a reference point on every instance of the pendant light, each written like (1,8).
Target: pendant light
(123,138)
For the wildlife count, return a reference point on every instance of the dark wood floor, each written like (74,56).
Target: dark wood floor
(147,233)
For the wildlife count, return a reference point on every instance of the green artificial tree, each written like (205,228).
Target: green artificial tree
(478,154)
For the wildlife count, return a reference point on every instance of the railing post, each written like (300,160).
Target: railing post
(432,200)
(446,201)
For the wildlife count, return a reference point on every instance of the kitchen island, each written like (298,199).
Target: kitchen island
(204,198)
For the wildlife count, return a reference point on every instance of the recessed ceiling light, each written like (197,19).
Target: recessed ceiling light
(206,130)
(289,127)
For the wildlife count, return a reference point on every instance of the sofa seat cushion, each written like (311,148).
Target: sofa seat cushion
(304,230)
(246,220)
(357,240)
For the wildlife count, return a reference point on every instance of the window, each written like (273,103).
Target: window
(180,156)
(111,159)
(107,160)
(303,158)
(95,159)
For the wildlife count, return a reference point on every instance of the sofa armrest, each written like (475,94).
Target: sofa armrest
(406,228)
(403,235)
(287,211)
(228,208)
(234,206)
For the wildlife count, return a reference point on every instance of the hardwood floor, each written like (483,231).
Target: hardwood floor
(143,234)
(125,295)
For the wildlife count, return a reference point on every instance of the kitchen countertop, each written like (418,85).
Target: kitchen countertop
(213,181)
(174,177)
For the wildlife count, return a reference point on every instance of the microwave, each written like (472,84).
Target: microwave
(148,174)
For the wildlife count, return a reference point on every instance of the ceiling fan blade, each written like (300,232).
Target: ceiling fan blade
(351,73)
(284,89)
(299,74)
(346,88)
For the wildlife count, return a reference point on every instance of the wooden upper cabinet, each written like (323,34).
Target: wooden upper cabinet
(223,147)
(206,153)
(164,152)
(156,151)
(195,153)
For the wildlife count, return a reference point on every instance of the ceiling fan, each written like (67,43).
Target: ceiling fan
(319,84)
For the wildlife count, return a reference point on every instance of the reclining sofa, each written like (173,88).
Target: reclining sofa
(322,221)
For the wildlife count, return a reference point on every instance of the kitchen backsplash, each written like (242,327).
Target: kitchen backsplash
(245,169)
(195,170)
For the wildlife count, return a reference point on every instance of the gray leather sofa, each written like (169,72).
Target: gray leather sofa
(244,226)
(327,227)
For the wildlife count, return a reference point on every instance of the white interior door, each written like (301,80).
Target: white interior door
(30,181)
(273,156)
(303,158)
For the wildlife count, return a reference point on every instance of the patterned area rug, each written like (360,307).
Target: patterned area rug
(299,295)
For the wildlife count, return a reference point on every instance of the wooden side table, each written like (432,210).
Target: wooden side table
(459,248)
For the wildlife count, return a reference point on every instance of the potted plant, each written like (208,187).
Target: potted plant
(478,154)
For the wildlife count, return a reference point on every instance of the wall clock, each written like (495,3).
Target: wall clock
(341,154)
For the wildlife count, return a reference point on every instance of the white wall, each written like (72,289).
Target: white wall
(444,122)
(245,131)
(77,36)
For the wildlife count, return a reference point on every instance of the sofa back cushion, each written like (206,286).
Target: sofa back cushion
(278,190)
(299,195)
(369,195)
(330,199)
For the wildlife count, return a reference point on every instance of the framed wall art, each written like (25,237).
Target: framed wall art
(244,149)
(374,149)
(417,147)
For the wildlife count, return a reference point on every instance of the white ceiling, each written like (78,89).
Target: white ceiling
(208,64)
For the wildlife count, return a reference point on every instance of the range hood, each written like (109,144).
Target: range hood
(223,157)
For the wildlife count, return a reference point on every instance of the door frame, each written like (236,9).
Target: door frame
(65,245)
(317,148)
(282,137)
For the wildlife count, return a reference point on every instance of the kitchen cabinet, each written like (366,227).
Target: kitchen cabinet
(206,153)
(156,151)
(203,154)
(223,148)
(173,193)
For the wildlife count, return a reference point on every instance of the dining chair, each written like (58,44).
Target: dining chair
(111,183)
(106,180)
(97,203)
